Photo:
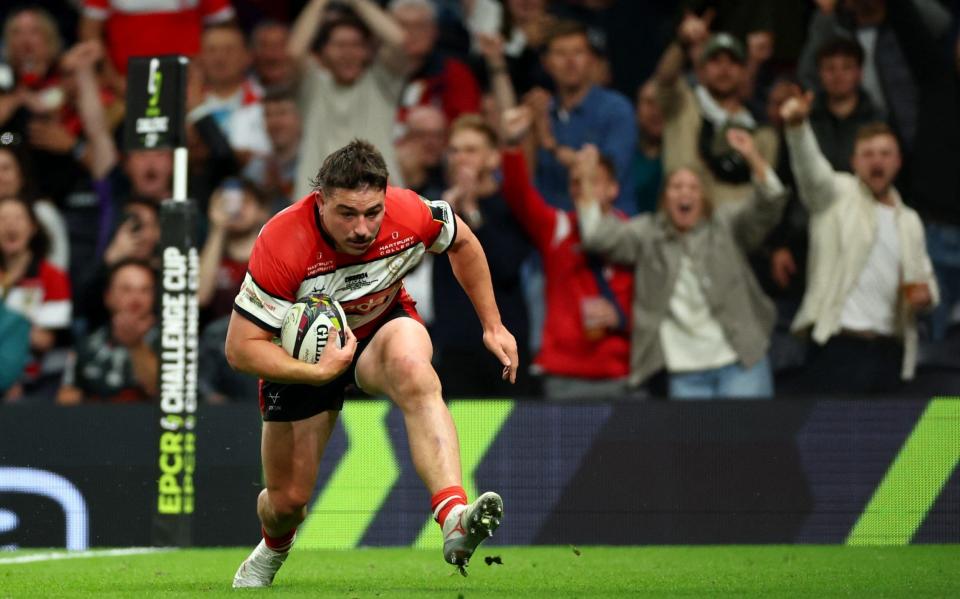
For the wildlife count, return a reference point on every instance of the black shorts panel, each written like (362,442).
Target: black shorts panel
(283,402)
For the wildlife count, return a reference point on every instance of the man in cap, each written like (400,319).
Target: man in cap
(699,114)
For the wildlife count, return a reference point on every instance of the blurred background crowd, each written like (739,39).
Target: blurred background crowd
(710,198)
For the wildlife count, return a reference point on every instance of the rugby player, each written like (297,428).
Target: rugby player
(354,238)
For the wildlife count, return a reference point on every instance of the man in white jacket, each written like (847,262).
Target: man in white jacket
(868,273)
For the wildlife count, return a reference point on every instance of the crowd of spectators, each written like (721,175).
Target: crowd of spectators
(691,200)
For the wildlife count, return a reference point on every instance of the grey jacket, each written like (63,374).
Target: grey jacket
(716,247)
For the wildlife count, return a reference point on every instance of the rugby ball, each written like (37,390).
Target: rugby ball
(310,323)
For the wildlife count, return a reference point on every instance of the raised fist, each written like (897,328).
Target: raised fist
(795,110)
(695,29)
(516,123)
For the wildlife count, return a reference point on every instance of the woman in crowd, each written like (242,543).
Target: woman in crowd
(35,289)
(697,310)
(13,183)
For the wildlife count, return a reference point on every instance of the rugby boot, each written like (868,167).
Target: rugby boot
(259,568)
(469,525)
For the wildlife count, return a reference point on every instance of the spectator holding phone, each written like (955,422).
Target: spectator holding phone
(238,210)
(136,238)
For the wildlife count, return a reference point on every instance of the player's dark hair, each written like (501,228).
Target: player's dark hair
(39,244)
(840,46)
(355,166)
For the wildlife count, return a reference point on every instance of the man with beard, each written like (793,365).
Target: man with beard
(869,273)
(579,113)
(842,107)
(698,116)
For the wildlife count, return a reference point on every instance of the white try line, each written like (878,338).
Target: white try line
(55,555)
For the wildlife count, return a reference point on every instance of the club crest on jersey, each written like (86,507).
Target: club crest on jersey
(396,265)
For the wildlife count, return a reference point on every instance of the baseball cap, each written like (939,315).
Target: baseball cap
(723,42)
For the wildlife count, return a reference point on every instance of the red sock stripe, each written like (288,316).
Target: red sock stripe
(278,543)
(449,498)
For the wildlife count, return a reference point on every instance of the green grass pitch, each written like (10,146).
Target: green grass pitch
(731,571)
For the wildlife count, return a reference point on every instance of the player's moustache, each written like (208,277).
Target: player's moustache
(359,240)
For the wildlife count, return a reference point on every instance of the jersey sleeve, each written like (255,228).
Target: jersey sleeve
(438,225)
(538,219)
(270,286)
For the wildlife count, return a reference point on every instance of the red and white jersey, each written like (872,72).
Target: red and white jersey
(294,256)
(42,296)
(153,27)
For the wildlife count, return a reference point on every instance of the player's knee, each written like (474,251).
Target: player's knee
(290,503)
(412,378)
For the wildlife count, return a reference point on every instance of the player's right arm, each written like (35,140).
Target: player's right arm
(250,349)
(274,274)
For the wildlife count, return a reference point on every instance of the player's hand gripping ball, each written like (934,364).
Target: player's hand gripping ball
(309,325)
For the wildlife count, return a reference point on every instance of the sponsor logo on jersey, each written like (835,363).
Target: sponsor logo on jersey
(321,266)
(360,280)
(365,305)
(251,295)
(396,246)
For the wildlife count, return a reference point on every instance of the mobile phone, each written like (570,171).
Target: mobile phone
(232,193)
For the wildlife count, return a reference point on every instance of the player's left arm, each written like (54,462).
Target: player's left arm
(469,265)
